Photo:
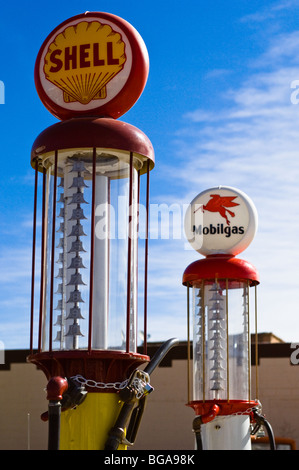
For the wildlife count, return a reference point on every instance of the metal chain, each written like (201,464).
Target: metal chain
(257,407)
(139,381)
(248,411)
(93,384)
(245,412)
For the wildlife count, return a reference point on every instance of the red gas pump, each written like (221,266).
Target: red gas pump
(220,223)
(89,169)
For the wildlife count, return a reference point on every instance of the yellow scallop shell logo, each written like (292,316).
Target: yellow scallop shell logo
(82,59)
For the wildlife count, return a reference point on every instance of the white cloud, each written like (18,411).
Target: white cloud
(270,12)
(251,144)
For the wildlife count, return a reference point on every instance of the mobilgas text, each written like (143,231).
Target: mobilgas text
(219,229)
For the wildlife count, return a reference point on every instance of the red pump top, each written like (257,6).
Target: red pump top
(220,267)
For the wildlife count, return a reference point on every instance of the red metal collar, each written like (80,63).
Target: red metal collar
(220,267)
(90,132)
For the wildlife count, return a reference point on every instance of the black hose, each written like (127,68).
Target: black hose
(128,416)
(160,354)
(197,430)
(261,420)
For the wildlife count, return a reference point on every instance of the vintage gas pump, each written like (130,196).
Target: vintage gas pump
(89,170)
(220,223)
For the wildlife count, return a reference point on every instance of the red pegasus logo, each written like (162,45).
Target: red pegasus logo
(220,204)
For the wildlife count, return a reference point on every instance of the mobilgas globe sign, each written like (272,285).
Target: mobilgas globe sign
(221,220)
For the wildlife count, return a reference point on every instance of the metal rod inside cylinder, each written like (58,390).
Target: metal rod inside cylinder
(92,231)
(218,340)
(247,325)
(256,344)
(136,246)
(129,255)
(146,258)
(203,329)
(33,257)
(53,251)
(42,263)
(74,198)
(188,343)
(227,342)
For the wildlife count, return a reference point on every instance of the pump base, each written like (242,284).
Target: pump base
(98,365)
(87,426)
(227,433)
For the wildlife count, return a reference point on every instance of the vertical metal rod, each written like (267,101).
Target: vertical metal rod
(28,431)
(129,254)
(137,257)
(33,257)
(227,343)
(92,234)
(146,258)
(256,346)
(53,251)
(188,343)
(248,342)
(203,313)
(42,263)
(108,255)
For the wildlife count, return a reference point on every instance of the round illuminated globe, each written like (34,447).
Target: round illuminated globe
(221,220)
(93,64)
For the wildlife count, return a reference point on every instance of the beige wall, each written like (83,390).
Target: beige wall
(23,400)
(278,392)
(279,395)
(167,421)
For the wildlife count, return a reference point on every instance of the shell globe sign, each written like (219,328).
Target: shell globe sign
(93,64)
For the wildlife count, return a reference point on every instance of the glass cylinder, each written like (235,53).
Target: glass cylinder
(90,235)
(221,341)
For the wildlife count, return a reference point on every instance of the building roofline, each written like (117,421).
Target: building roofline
(179,352)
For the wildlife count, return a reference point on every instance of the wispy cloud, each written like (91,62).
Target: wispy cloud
(251,142)
(15,282)
(270,12)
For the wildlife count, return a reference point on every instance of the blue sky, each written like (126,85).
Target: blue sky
(218,109)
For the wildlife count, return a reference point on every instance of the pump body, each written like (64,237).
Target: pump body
(84,319)
(220,286)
